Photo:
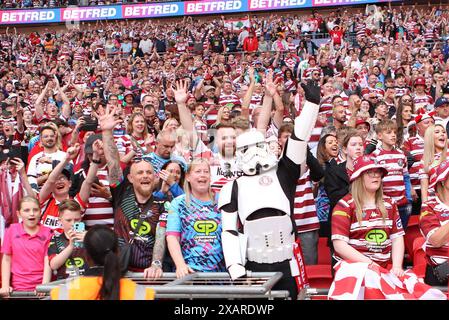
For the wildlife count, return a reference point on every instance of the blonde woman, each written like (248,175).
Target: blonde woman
(223,116)
(435,152)
(366,226)
(194,224)
(435,228)
(138,141)
(171,124)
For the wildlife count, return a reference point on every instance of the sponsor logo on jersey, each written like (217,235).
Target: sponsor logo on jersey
(205,226)
(376,236)
(79,263)
(144,229)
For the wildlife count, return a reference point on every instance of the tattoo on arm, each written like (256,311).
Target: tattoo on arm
(160,244)
(112,157)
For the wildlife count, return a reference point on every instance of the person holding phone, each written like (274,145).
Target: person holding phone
(66,255)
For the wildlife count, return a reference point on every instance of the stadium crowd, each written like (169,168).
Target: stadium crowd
(18,4)
(109,123)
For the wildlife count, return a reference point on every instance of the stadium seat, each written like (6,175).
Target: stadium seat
(324,252)
(419,257)
(411,234)
(320,276)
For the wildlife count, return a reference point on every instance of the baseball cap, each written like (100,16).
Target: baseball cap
(441,101)
(362,121)
(67,171)
(207,88)
(90,141)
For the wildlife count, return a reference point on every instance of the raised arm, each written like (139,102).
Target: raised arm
(92,174)
(184,113)
(107,123)
(20,166)
(247,98)
(47,188)
(66,110)
(265,114)
(39,111)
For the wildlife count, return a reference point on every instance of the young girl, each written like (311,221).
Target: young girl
(194,225)
(366,226)
(24,248)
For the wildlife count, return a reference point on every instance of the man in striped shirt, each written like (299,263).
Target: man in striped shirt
(99,210)
(222,159)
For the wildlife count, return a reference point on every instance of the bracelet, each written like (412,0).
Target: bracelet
(96,161)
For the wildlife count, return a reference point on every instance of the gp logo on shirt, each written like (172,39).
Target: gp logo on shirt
(79,262)
(145,228)
(376,236)
(205,226)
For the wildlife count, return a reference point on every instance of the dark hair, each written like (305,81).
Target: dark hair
(399,122)
(183,173)
(321,153)
(101,244)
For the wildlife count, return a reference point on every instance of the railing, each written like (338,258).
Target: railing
(203,285)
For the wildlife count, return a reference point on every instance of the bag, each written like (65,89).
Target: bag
(125,250)
(441,271)
(124,256)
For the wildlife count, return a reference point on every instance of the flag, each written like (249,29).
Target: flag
(9,203)
(298,267)
(237,24)
(364,281)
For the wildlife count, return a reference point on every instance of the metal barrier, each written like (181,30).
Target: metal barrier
(204,285)
(311,293)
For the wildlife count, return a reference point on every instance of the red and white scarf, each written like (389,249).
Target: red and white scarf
(364,281)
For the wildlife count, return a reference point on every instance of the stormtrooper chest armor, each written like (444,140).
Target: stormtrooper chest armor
(264,190)
(269,239)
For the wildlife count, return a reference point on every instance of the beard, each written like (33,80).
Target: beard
(143,191)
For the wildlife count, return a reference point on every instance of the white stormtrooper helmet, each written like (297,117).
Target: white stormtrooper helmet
(253,155)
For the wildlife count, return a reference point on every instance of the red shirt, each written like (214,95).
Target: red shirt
(373,236)
(415,145)
(304,212)
(50,212)
(434,214)
(336,36)
(393,183)
(250,44)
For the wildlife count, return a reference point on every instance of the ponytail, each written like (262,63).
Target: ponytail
(110,288)
(101,245)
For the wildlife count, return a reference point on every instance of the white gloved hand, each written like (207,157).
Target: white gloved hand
(236,271)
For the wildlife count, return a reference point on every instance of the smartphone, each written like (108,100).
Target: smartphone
(79,227)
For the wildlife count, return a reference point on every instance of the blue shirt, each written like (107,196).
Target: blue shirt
(199,228)
(158,162)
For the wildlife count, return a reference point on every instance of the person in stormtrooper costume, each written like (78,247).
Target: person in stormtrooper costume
(257,208)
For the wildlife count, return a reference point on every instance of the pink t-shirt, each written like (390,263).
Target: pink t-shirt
(27,255)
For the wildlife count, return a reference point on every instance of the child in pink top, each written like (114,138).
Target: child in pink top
(24,249)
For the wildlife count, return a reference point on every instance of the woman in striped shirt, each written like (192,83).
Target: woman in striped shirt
(435,152)
(366,226)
